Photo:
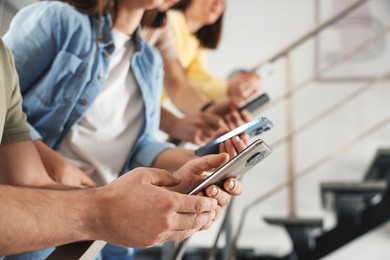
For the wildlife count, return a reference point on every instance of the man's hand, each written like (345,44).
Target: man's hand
(137,210)
(193,172)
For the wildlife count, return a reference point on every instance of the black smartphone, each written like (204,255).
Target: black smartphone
(253,128)
(236,167)
(255,103)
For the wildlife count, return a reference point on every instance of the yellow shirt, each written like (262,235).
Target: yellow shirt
(12,119)
(193,59)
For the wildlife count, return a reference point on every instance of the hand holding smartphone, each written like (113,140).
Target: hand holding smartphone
(253,128)
(236,167)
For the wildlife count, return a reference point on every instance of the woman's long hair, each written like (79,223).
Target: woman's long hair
(209,35)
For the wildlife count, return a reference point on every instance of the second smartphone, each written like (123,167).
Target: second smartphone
(253,128)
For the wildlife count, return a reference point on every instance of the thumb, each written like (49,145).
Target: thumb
(159,177)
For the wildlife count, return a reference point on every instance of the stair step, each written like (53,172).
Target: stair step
(295,222)
(360,190)
(380,166)
(354,187)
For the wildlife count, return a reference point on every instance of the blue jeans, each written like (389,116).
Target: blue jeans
(111,252)
(34,255)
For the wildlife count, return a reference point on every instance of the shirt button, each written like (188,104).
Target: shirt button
(83,101)
(100,77)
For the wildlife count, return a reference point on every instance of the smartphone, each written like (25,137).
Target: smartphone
(253,128)
(237,166)
(255,103)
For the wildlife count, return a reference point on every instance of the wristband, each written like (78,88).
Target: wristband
(207,105)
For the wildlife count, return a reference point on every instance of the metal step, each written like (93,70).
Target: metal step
(302,231)
(295,222)
(349,199)
(380,166)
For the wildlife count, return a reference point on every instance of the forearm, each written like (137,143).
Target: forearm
(187,99)
(167,121)
(21,165)
(179,88)
(174,158)
(39,218)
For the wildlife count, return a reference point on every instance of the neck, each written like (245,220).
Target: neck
(193,24)
(127,21)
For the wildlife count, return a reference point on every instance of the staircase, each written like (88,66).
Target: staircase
(358,208)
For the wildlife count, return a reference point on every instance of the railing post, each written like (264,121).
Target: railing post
(290,139)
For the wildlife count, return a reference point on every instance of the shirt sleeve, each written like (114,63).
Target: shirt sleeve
(212,87)
(15,129)
(166,43)
(34,42)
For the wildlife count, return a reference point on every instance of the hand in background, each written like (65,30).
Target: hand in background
(60,170)
(198,129)
(242,86)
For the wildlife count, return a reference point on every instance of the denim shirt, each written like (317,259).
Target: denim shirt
(62,57)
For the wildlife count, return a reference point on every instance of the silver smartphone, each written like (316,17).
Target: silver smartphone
(254,127)
(236,167)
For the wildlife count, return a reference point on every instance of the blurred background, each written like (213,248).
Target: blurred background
(322,193)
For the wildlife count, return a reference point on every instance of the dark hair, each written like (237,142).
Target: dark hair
(209,35)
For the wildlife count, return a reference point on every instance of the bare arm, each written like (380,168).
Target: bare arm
(143,216)
(180,90)
(21,165)
(39,218)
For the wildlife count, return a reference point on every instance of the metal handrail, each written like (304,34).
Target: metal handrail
(340,103)
(368,85)
(309,34)
(350,97)
(336,152)
(326,69)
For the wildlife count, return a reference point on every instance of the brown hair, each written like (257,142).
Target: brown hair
(209,35)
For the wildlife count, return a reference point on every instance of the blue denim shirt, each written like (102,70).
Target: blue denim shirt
(62,56)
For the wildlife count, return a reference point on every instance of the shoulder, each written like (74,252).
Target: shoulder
(49,12)
(49,8)
(6,60)
(176,17)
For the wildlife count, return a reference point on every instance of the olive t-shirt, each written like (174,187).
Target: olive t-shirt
(12,119)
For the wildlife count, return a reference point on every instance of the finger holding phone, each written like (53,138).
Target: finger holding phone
(195,171)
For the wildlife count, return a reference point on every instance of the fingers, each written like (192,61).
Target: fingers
(222,197)
(243,86)
(211,120)
(86,181)
(206,163)
(233,186)
(158,177)
(197,221)
(240,144)
(234,145)
(194,204)
(246,115)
